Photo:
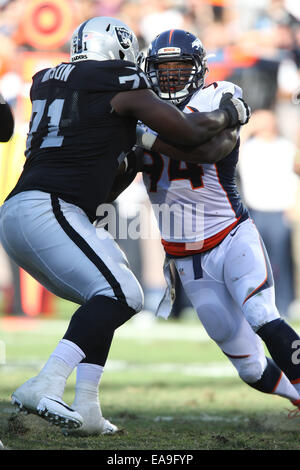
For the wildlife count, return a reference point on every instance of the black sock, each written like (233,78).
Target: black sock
(92,326)
(280,339)
(268,381)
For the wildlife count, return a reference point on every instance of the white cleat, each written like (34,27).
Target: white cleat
(93,421)
(34,397)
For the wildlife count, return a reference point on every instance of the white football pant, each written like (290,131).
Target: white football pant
(231,288)
(55,242)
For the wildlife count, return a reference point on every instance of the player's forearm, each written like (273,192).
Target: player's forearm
(210,152)
(208,124)
(188,129)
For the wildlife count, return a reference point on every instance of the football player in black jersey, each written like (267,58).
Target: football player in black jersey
(83,121)
(6,121)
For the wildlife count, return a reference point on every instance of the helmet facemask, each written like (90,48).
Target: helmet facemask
(169,50)
(174,80)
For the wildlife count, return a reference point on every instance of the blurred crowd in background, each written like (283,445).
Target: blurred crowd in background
(253,43)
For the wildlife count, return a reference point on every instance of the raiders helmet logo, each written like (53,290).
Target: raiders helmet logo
(124,37)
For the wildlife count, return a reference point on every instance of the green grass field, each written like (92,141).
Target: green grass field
(166,386)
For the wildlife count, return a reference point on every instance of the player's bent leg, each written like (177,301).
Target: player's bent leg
(245,351)
(248,275)
(282,342)
(93,325)
(249,279)
(76,264)
(56,243)
(226,324)
(256,370)
(92,328)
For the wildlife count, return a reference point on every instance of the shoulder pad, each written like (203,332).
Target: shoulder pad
(225,87)
(115,75)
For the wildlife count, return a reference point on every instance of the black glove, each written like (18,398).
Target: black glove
(238,111)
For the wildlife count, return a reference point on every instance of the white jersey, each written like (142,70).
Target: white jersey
(196,205)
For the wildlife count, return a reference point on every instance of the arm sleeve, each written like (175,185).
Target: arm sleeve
(6,121)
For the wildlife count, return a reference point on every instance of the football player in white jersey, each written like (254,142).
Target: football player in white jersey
(84,116)
(206,230)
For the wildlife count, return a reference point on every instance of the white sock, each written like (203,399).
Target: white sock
(296,385)
(87,383)
(284,388)
(69,352)
(59,366)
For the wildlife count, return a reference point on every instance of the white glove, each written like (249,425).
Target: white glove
(145,138)
(238,111)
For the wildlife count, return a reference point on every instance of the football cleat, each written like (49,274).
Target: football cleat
(93,421)
(33,397)
(295,412)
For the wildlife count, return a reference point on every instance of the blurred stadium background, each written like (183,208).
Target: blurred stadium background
(255,44)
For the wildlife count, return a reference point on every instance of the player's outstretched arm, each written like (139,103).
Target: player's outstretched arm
(168,121)
(210,152)
(6,121)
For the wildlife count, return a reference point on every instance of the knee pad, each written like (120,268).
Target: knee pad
(250,369)
(219,324)
(260,309)
(134,295)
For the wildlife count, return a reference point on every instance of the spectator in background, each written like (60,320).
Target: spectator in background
(110,7)
(295,307)
(6,132)
(159,15)
(269,186)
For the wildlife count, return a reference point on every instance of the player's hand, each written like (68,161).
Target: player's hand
(144,138)
(238,111)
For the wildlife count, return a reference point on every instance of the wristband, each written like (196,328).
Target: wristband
(145,139)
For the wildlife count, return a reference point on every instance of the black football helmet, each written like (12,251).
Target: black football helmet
(176,84)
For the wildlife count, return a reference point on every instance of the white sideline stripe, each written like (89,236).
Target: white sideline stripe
(213,369)
(147,329)
(203,417)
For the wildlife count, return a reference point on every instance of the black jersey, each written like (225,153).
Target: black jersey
(75,138)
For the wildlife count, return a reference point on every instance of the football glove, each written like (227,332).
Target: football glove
(144,138)
(134,160)
(238,111)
